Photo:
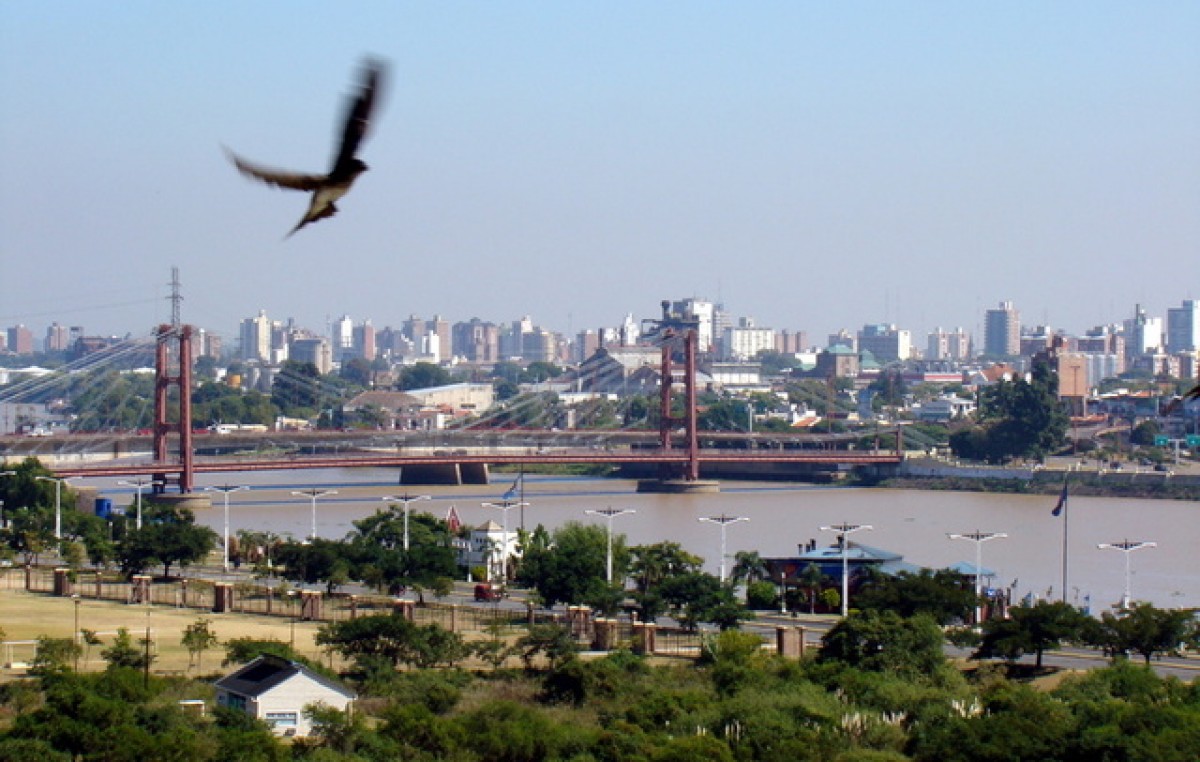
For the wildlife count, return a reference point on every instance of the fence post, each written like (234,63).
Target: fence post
(404,608)
(99,586)
(222,597)
(788,642)
(310,605)
(62,582)
(139,590)
(606,635)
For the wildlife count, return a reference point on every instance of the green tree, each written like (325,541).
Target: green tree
(394,638)
(197,638)
(54,656)
(1017,419)
(169,536)
(123,652)
(297,388)
(651,565)
(1143,629)
(697,597)
(422,375)
(884,641)
(571,567)
(945,595)
(1031,629)
(811,580)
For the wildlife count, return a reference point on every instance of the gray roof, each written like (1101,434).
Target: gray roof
(854,552)
(267,672)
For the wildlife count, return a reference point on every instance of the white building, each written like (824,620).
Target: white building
(277,691)
(490,547)
(746,340)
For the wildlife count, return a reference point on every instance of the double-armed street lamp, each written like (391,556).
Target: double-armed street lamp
(505,506)
(723,521)
(404,500)
(609,514)
(313,494)
(1127,547)
(979,538)
(226,490)
(58,483)
(844,531)
(138,484)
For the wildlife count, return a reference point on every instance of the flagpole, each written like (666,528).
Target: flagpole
(1064,502)
(521,495)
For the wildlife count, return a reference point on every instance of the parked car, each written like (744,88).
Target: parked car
(485,591)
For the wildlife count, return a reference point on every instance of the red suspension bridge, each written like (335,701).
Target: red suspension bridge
(678,455)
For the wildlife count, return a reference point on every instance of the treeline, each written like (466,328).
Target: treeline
(885,697)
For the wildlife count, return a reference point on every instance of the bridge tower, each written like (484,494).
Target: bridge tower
(173,369)
(672,331)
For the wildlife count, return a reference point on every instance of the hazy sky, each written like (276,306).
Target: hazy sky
(813,165)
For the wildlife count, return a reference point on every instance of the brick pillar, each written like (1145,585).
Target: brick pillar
(222,597)
(787,642)
(643,638)
(453,617)
(801,632)
(63,586)
(579,621)
(99,585)
(354,607)
(183,590)
(404,608)
(28,577)
(311,605)
(139,590)
(605,638)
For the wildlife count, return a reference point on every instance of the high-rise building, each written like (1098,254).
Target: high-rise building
(255,335)
(1143,335)
(20,340)
(342,338)
(886,342)
(58,338)
(791,342)
(1183,327)
(476,341)
(948,345)
(705,315)
(1002,331)
(746,340)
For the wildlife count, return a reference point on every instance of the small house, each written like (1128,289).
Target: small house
(276,691)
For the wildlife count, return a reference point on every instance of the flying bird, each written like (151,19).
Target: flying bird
(327,189)
(1192,394)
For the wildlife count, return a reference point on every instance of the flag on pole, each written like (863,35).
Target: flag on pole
(515,489)
(1062,501)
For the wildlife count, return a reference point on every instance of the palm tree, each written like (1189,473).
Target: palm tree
(811,580)
(748,566)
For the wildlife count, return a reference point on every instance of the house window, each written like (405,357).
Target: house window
(281,719)
(234,701)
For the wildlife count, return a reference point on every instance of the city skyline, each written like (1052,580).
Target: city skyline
(1176,330)
(815,167)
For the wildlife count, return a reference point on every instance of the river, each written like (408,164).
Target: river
(781,517)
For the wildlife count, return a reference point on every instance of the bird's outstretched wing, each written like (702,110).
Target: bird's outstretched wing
(1193,393)
(358,119)
(278,178)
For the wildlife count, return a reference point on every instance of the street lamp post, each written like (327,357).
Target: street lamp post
(505,506)
(1127,547)
(138,484)
(609,514)
(314,493)
(58,483)
(979,538)
(404,500)
(723,521)
(225,490)
(844,531)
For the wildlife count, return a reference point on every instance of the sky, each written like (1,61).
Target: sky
(814,166)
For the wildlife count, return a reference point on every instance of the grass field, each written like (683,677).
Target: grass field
(27,616)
